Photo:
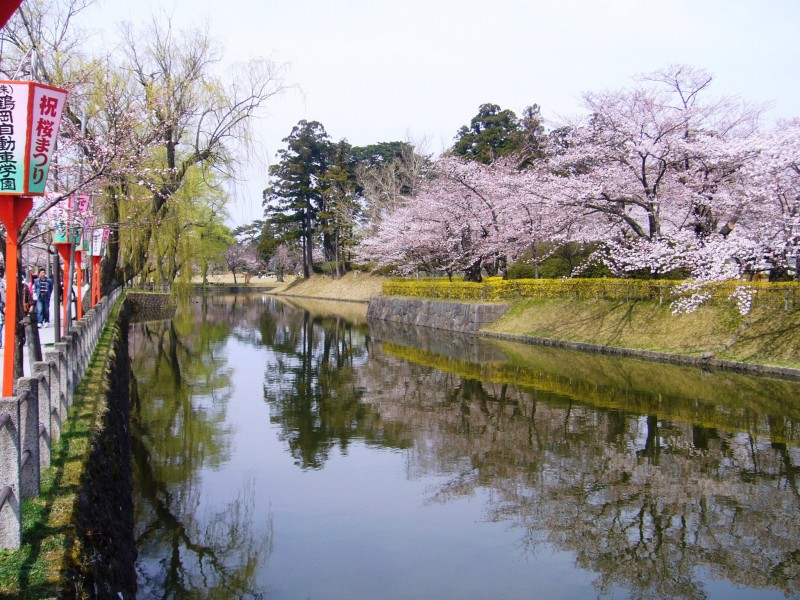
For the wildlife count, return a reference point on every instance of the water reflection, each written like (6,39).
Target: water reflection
(180,399)
(648,473)
(312,385)
(661,481)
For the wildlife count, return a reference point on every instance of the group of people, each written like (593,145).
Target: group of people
(35,298)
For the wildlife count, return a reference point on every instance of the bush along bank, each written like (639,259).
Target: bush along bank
(784,295)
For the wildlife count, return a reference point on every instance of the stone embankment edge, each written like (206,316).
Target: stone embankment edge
(664,357)
(395,308)
(104,525)
(464,317)
(104,519)
(93,553)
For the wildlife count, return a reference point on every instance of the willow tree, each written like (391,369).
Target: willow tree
(202,121)
(192,232)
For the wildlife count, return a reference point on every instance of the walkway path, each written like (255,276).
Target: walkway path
(47,336)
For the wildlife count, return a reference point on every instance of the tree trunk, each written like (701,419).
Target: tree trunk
(308,259)
(473,272)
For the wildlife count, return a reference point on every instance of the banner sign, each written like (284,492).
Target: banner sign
(79,204)
(72,220)
(85,244)
(30,115)
(60,231)
(99,240)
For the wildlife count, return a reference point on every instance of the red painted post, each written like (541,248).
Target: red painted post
(64,250)
(96,279)
(79,284)
(13,210)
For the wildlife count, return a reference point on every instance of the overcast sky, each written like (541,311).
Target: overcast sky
(384,70)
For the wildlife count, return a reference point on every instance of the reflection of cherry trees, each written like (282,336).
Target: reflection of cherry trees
(642,500)
(178,424)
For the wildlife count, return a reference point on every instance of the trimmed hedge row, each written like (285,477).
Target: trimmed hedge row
(495,289)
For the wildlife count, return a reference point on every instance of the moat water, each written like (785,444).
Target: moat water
(295,450)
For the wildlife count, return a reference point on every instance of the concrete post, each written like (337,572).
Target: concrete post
(28,393)
(41,373)
(64,373)
(58,407)
(80,350)
(11,509)
(74,361)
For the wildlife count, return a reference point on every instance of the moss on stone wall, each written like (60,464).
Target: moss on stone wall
(78,533)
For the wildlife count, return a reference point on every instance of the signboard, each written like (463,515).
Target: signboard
(60,231)
(30,115)
(99,240)
(85,243)
(7,9)
(68,224)
(79,204)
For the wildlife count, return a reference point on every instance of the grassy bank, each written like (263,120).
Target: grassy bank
(766,336)
(355,287)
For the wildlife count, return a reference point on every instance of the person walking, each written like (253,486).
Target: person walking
(42,290)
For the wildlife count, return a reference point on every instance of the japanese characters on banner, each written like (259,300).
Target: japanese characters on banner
(68,223)
(85,243)
(99,241)
(30,114)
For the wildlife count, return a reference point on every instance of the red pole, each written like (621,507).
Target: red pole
(79,283)
(64,250)
(96,279)
(13,210)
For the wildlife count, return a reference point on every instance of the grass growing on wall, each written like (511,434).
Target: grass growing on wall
(49,546)
(766,336)
(635,314)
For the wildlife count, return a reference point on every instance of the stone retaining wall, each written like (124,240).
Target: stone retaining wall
(150,306)
(454,316)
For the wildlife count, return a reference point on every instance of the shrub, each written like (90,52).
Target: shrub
(495,289)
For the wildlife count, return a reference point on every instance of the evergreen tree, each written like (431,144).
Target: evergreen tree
(296,195)
(492,133)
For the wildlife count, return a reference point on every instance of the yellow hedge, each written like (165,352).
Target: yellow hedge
(495,289)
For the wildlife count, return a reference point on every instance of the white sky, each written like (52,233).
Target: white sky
(384,70)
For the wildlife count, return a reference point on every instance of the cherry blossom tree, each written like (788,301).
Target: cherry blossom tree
(662,178)
(468,216)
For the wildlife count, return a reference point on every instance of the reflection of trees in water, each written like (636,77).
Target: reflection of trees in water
(647,488)
(187,549)
(310,384)
(641,500)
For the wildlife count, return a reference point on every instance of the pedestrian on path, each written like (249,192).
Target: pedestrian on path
(42,290)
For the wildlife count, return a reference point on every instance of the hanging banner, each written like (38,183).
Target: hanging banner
(79,204)
(99,240)
(30,115)
(60,231)
(85,245)
(7,9)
